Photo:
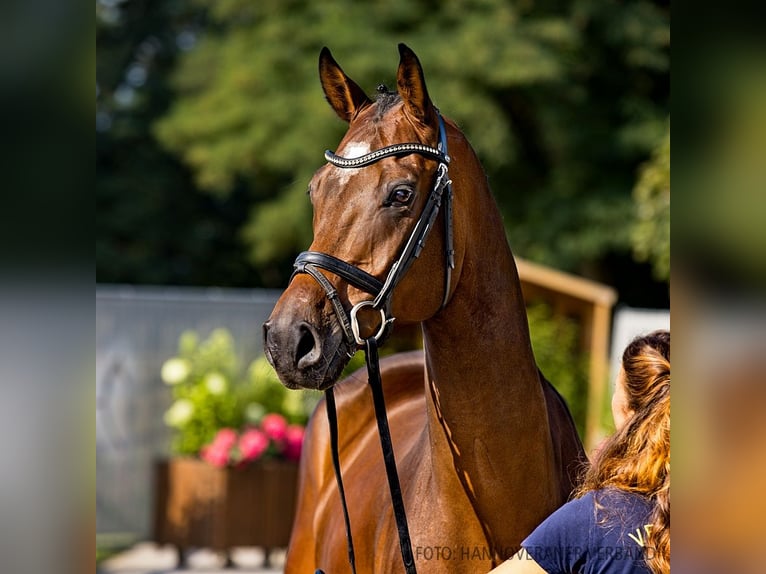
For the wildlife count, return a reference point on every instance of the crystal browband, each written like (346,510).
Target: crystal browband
(396,149)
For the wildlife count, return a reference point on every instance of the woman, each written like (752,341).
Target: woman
(619,520)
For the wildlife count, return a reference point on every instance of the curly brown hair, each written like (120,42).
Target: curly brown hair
(637,457)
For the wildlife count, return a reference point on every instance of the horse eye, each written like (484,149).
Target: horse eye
(400,197)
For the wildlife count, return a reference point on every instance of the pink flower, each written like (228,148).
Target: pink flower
(252,444)
(215,454)
(275,427)
(225,439)
(218,452)
(293,442)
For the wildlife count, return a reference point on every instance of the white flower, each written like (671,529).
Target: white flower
(175,371)
(215,383)
(254,412)
(179,413)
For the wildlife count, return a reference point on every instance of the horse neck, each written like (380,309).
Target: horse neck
(484,393)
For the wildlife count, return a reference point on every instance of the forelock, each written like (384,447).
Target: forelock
(384,102)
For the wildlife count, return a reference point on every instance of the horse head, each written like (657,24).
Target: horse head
(374,201)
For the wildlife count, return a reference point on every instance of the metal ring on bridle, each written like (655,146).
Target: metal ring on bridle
(384,321)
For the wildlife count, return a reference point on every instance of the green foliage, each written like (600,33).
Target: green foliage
(562,102)
(555,341)
(651,233)
(202,171)
(153,226)
(294,405)
(210,392)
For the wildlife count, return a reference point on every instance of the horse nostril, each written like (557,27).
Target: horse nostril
(307,352)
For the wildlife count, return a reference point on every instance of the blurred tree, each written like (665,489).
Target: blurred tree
(651,233)
(563,102)
(152,226)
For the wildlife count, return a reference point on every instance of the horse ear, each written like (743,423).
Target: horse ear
(411,85)
(344,95)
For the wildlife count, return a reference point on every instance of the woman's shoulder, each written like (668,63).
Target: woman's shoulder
(605,527)
(604,501)
(623,502)
(622,522)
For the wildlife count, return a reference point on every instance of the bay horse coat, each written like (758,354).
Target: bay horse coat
(485,447)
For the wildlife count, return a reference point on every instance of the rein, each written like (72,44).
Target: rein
(310,262)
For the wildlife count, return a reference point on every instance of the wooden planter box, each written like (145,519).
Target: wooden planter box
(199,505)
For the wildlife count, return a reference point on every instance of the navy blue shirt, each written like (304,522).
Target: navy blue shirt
(584,538)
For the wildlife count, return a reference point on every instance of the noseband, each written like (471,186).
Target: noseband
(310,262)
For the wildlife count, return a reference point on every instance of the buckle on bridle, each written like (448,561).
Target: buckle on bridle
(385,322)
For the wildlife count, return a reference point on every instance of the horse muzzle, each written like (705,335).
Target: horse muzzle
(306,352)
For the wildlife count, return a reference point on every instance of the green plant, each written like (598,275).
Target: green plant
(650,233)
(555,343)
(211,392)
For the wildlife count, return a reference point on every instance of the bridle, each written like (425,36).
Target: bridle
(310,262)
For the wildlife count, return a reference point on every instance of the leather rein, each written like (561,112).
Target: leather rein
(310,262)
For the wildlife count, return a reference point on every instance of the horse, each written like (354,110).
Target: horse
(485,446)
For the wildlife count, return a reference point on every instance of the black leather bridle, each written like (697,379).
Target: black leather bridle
(310,262)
